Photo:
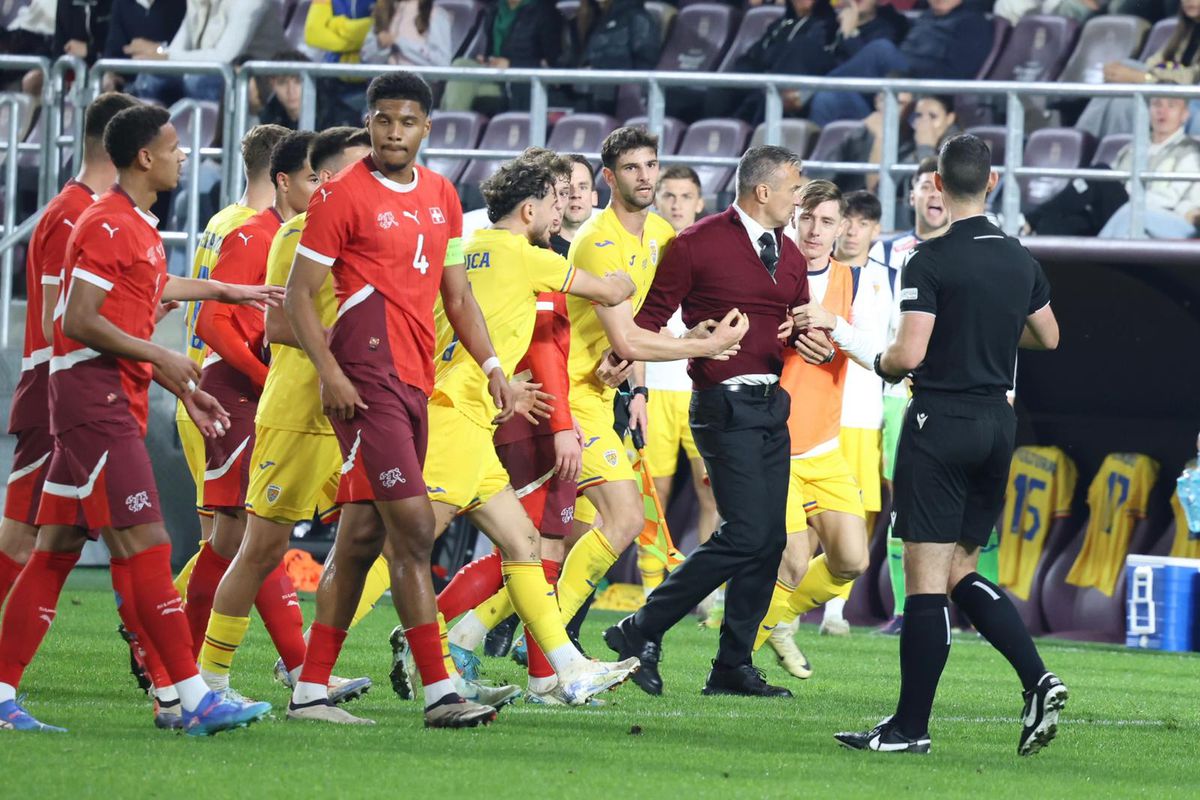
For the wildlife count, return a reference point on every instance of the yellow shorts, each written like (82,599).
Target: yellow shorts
(668,431)
(293,475)
(821,483)
(863,450)
(604,456)
(461,467)
(193,452)
(585,512)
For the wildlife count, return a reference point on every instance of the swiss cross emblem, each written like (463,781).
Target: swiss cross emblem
(438,217)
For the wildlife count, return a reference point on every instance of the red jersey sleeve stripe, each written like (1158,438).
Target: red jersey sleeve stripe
(320,258)
(92,278)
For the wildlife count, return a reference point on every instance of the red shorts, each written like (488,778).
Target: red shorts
(383,447)
(227,464)
(100,477)
(548,500)
(30,462)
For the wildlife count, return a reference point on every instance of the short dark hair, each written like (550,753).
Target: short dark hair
(515,182)
(817,192)
(131,130)
(581,160)
(400,85)
(257,145)
(290,154)
(927,165)
(290,55)
(103,109)
(559,165)
(623,140)
(680,172)
(864,205)
(328,144)
(758,165)
(965,164)
(945,100)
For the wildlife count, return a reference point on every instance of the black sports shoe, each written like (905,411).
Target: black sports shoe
(746,680)
(1039,721)
(627,642)
(137,667)
(499,640)
(883,738)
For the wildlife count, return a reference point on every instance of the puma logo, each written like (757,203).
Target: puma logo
(325,193)
(49,620)
(245,239)
(109,229)
(921,420)
(413,215)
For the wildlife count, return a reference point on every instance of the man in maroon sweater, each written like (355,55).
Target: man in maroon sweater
(736,259)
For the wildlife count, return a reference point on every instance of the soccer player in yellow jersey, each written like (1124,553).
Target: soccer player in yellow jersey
(296,463)
(257,145)
(626,238)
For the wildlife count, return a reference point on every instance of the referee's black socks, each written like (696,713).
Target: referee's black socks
(996,618)
(924,648)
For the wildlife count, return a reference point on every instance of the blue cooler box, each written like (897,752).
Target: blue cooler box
(1162,595)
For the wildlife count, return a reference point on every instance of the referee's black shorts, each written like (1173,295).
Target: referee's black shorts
(951,467)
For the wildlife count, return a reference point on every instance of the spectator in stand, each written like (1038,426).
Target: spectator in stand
(526,34)
(31,33)
(411,33)
(148,20)
(1177,62)
(212,30)
(81,28)
(613,34)
(949,41)
(865,146)
(339,28)
(286,100)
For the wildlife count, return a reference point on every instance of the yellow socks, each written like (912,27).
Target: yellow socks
(379,580)
(778,613)
(533,598)
(818,586)
(652,569)
(451,667)
(181,580)
(589,560)
(221,641)
(495,609)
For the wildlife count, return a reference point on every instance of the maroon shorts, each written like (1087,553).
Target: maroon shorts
(548,500)
(227,464)
(383,447)
(100,477)
(30,462)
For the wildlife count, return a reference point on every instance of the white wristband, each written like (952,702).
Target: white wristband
(489,365)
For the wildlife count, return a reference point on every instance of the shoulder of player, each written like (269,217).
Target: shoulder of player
(659,228)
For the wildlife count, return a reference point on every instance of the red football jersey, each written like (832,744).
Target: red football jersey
(546,361)
(386,244)
(43,267)
(116,247)
(234,334)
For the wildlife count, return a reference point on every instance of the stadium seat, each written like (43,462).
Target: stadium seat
(183,120)
(459,130)
(996,137)
(508,131)
(294,29)
(1109,147)
(1001,28)
(671,135)
(714,138)
(8,12)
(1103,39)
(1037,49)
(1052,147)
(580,133)
(464,14)
(832,135)
(753,26)
(797,135)
(1160,34)
(665,13)
(698,38)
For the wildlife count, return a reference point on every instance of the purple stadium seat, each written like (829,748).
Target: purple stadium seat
(1036,50)
(508,131)
(1110,146)
(832,135)
(698,38)
(995,136)
(665,13)
(753,26)
(671,135)
(8,11)
(459,130)
(183,120)
(713,138)
(463,16)
(1001,29)
(1103,39)
(798,135)
(1052,147)
(580,133)
(294,29)
(1159,35)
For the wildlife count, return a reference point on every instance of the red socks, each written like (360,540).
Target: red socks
(160,611)
(9,570)
(470,586)
(122,582)
(31,610)
(279,608)
(539,665)
(201,589)
(426,643)
(324,645)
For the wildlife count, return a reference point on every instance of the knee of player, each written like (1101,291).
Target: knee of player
(625,524)
(849,572)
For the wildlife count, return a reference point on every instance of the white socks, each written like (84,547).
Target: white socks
(437,690)
(191,692)
(7,692)
(469,632)
(834,608)
(309,692)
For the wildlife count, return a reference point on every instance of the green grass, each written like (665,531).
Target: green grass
(1131,728)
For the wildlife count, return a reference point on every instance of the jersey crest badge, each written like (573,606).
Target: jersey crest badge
(654,252)
(611,457)
(387,220)
(392,477)
(437,216)
(273,492)
(137,502)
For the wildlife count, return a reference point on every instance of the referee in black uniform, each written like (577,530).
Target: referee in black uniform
(967,301)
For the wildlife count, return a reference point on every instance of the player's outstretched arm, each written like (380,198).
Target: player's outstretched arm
(260,297)
(613,289)
(462,311)
(633,343)
(1041,330)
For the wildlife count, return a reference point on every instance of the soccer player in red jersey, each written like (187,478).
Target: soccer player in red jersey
(99,474)
(390,231)
(234,371)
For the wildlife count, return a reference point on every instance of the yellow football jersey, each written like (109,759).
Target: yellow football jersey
(1117,501)
(506,274)
(1041,483)
(1187,542)
(603,246)
(291,398)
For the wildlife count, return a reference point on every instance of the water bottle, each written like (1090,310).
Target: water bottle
(1188,487)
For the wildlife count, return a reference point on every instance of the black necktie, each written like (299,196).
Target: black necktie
(767,252)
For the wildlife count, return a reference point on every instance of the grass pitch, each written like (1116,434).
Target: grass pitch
(1131,728)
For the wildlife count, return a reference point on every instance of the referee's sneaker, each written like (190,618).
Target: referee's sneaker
(967,301)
